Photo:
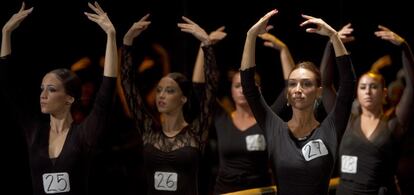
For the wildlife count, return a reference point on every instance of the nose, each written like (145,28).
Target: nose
(298,87)
(161,94)
(43,94)
(367,90)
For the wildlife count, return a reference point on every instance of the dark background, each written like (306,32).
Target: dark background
(57,34)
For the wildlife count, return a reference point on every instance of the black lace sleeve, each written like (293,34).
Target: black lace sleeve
(142,119)
(202,124)
(404,109)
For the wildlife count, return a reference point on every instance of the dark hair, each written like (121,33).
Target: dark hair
(232,72)
(70,81)
(311,67)
(186,87)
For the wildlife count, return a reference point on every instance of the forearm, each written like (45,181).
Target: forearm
(287,62)
(111,56)
(198,72)
(5,44)
(249,54)
(338,46)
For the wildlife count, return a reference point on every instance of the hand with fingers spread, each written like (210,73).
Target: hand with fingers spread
(386,34)
(111,57)
(10,26)
(345,33)
(194,29)
(272,41)
(322,27)
(325,29)
(101,18)
(217,35)
(261,26)
(17,18)
(136,29)
(249,53)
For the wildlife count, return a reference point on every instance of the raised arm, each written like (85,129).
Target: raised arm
(339,114)
(256,101)
(10,26)
(198,72)
(404,109)
(11,82)
(111,55)
(249,51)
(97,119)
(327,68)
(142,118)
(207,99)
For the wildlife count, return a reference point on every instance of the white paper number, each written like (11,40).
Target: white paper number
(56,183)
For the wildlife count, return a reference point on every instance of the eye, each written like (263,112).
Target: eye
(170,90)
(51,89)
(374,86)
(158,90)
(237,85)
(307,84)
(292,83)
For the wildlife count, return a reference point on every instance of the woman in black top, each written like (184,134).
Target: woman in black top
(243,160)
(173,144)
(369,150)
(59,149)
(302,150)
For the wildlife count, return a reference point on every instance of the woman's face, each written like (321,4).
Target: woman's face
(237,91)
(169,97)
(302,89)
(370,92)
(53,98)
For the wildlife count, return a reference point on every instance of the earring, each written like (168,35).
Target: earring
(316,103)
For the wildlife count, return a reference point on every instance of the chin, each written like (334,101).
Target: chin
(44,111)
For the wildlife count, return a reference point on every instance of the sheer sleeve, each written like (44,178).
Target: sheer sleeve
(404,110)
(207,99)
(142,119)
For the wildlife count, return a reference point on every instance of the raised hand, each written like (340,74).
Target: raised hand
(321,28)
(272,41)
(345,33)
(10,26)
(261,26)
(193,28)
(100,17)
(17,18)
(386,34)
(217,35)
(136,29)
